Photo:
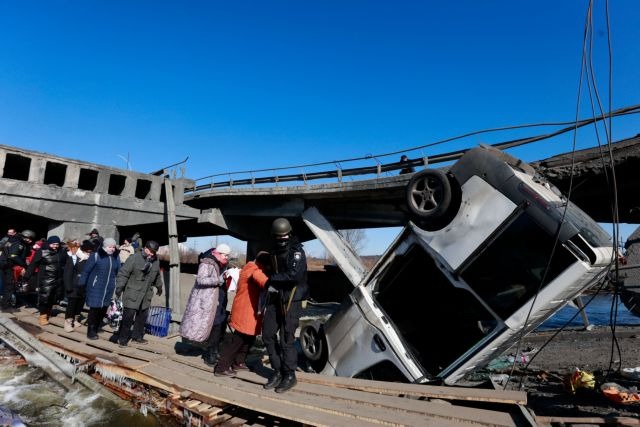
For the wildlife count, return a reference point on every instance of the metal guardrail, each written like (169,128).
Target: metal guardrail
(377,170)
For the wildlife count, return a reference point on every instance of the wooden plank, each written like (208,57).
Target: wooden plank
(255,398)
(623,421)
(418,390)
(192,403)
(394,403)
(250,396)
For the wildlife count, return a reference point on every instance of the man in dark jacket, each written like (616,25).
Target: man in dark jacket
(135,282)
(17,248)
(287,289)
(49,262)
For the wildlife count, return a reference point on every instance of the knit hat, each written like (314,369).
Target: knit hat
(94,231)
(223,248)
(108,242)
(53,239)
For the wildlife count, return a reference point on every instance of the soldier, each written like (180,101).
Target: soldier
(287,289)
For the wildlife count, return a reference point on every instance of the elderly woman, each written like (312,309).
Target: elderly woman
(99,280)
(205,312)
(246,317)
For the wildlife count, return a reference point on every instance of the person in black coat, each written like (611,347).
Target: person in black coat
(287,288)
(49,262)
(76,259)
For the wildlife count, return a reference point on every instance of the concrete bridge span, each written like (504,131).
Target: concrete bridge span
(55,195)
(69,197)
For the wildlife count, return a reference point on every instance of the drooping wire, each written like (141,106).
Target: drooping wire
(586,68)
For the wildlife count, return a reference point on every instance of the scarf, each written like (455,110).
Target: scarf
(148,262)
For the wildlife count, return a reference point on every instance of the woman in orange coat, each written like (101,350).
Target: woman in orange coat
(246,320)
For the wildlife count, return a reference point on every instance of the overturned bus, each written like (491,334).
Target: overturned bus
(493,251)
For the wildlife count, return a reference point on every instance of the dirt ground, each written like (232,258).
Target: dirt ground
(592,351)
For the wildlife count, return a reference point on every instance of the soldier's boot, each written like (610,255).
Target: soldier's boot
(274,381)
(287,383)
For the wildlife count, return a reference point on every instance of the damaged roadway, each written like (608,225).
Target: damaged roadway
(552,361)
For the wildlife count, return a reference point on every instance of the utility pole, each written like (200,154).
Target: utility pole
(174,256)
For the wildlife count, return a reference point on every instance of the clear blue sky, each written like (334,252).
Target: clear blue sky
(259,84)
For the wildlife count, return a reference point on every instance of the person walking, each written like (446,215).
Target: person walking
(287,289)
(49,263)
(99,280)
(77,257)
(246,320)
(205,310)
(135,283)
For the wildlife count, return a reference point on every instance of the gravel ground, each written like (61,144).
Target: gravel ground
(590,351)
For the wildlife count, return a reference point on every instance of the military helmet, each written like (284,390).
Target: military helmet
(28,234)
(280,227)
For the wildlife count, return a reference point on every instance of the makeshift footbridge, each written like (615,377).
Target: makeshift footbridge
(185,386)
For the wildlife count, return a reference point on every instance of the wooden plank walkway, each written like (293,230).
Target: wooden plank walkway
(316,400)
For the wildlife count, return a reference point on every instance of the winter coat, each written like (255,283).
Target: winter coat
(135,285)
(204,306)
(50,267)
(72,273)
(99,278)
(126,251)
(244,317)
(290,271)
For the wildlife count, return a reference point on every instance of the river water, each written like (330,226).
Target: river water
(39,401)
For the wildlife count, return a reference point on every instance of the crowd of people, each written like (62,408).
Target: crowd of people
(268,293)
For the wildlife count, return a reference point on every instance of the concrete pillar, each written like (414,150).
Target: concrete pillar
(72,176)
(36,170)
(3,159)
(156,189)
(102,185)
(129,186)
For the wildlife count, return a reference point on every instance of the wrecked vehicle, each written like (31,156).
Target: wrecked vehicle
(492,251)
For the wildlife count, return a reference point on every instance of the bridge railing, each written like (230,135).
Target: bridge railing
(249,178)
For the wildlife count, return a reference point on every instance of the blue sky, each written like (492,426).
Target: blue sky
(263,84)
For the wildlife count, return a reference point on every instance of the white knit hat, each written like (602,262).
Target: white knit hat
(223,248)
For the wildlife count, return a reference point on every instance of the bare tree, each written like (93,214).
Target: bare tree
(355,237)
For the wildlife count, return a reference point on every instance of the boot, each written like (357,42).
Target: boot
(92,332)
(68,324)
(287,383)
(43,319)
(274,381)
(210,357)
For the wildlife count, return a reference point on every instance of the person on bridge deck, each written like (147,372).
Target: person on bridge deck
(96,238)
(205,312)
(135,282)
(77,256)
(287,289)
(16,251)
(408,168)
(99,281)
(49,263)
(246,319)
(126,250)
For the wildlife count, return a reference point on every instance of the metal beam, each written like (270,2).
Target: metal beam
(347,259)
